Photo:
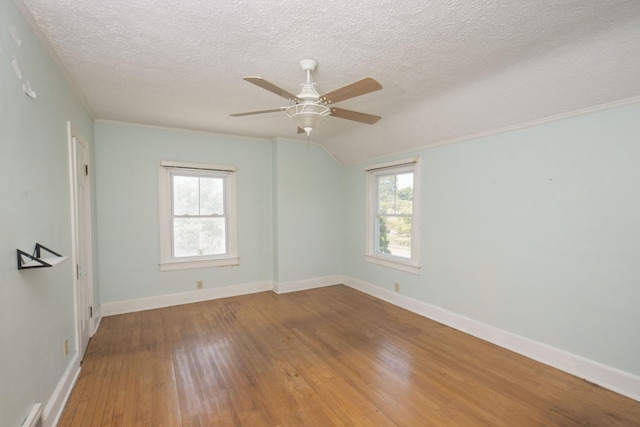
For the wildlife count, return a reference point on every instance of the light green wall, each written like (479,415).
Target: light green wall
(127,197)
(36,306)
(535,231)
(308,212)
(289,207)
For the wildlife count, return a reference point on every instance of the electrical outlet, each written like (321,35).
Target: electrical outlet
(199,284)
(66,347)
(397,287)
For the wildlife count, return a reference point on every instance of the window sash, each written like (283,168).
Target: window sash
(210,247)
(200,175)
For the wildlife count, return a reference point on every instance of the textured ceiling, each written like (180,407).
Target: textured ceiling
(450,69)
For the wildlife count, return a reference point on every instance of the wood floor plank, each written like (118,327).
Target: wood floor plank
(324,357)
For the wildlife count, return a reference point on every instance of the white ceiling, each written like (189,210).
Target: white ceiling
(449,69)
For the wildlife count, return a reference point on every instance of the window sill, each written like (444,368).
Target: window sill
(206,263)
(393,263)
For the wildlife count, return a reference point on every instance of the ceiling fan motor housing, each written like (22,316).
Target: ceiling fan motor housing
(308,93)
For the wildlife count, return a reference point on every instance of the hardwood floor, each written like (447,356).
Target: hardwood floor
(323,357)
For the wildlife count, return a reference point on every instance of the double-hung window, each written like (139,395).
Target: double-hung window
(393,238)
(197,215)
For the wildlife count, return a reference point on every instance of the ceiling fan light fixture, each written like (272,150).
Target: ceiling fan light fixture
(308,115)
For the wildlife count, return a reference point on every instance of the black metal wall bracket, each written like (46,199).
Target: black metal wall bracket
(36,260)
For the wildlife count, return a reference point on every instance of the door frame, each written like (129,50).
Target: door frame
(86,303)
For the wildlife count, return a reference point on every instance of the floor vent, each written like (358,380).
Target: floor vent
(34,419)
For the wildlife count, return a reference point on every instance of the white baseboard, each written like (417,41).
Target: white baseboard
(55,405)
(605,376)
(301,285)
(160,301)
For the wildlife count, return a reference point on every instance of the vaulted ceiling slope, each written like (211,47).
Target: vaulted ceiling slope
(449,69)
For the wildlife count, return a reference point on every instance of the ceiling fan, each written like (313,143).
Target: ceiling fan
(308,108)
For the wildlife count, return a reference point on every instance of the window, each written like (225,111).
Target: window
(392,215)
(197,216)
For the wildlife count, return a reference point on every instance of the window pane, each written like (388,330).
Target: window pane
(185,195)
(211,196)
(395,194)
(198,237)
(394,236)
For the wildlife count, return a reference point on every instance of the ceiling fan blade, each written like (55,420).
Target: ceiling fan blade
(259,81)
(358,88)
(250,113)
(354,115)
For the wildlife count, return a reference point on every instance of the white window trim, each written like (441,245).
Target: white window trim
(411,265)
(167,263)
